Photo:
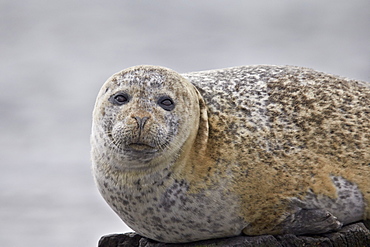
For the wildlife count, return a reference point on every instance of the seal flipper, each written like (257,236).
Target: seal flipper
(310,221)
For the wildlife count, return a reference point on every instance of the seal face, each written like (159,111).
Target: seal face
(251,149)
(140,118)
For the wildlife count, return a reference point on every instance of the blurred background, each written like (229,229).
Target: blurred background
(55,55)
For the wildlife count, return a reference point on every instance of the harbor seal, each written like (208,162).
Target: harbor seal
(251,149)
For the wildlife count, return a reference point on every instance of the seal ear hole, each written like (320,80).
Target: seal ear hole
(119,98)
(166,103)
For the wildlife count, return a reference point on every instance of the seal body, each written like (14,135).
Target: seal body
(251,149)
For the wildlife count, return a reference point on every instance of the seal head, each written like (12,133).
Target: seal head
(141,115)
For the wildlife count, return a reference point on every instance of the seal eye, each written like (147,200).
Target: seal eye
(119,99)
(166,103)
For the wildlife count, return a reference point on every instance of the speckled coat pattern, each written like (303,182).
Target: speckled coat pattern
(251,149)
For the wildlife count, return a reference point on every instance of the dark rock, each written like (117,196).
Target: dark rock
(354,235)
(120,240)
(242,241)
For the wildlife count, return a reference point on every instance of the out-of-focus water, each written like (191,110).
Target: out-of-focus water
(55,55)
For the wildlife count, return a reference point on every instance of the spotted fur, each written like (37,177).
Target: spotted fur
(253,149)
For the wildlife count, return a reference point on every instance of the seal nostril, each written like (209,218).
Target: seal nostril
(141,121)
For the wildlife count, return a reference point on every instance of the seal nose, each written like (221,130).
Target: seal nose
(141,122)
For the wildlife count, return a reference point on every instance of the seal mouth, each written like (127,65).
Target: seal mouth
(141,147)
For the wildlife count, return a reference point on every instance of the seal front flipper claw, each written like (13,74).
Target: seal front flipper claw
(310,221)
